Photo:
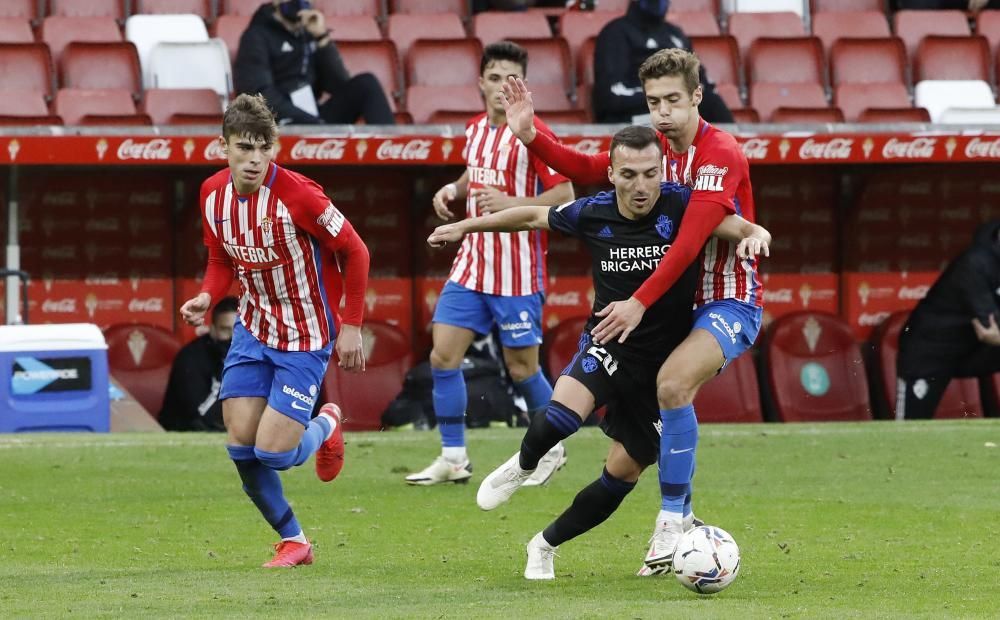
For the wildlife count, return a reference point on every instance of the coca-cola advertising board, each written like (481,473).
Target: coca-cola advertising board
(785,293)
(565,298)
(869,298)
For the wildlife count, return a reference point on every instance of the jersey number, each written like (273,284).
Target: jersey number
(610,365)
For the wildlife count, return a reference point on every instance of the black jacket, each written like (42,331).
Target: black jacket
(275,62)
(622,45)
(192,399)
(939,332)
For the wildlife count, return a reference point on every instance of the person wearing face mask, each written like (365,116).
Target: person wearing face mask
(287,54)
(622,45)
(192,399)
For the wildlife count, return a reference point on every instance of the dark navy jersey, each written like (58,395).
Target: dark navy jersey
(624,253)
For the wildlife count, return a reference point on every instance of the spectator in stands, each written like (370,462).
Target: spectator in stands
(288,56)
(192,399)
(953,331)
(622,45)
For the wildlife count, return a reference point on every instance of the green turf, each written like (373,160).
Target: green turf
(834,521)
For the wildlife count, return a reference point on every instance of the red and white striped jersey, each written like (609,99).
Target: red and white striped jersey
(281,242)
(717,171)
(506,264)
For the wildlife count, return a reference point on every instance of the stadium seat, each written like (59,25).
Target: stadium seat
(146,31)
(347,8)
(696,24)
(695,6)
(26,109)
(26,67)
(768,6)
(766,98)
(730,94)
(939,95)
(721,58)
(970,116)
(913,26)
(230,28)
(988,25)
(139,357)
(456,7)
(745,116)
(830,27)
(100,66)
(748,27)
(455,117)
(87,107)
(566,117)
(807,115)
(58,31)
(404,29)
(731,396)
(854,98)
(845,6)
(430,89)
(355,28)
(239,7)
(812,370)
(378,58)
(952,58)
(786,61)
(21,9)
(192,65)
(578,26)
(550,73)
(493,26)
(561,343)
(961,398)
(87,8)
(163,104)
(868,61)
(894,115)
(15,30)
(364,396)
(585,76)
(201,8)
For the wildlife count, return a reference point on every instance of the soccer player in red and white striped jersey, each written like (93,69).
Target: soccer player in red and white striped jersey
(496,278)
(295,255)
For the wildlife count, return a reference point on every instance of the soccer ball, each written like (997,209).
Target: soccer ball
(706,560)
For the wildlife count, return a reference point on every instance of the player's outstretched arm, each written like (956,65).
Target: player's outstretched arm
(510,220)
(751,239)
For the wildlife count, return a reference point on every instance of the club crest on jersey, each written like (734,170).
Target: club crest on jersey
(331,219)
(589,364)
(664,226)
(710,178)
(266,224)
(253,257)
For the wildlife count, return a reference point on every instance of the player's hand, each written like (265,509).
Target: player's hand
(349,348)
(619,317)
(447,233)
(989,334)
(441,199)
(490,200)
(519,108)
(752,246)
(314,22)
(193,311)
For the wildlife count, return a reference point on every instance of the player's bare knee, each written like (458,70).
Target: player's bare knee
(520,371)
(445,360)
(673,392)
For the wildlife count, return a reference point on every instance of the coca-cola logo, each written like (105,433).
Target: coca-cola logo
(151,304)
(107,224)
(872,319)
(213,150)
(588,145)
(756,148)
(150,198)
(569,298)
(149,251)
(918,148)
(978,148)
(102,279)
(913,292)
(59,199)
(387,220)
(59,252)
(332,149)
(157,148)
(66,305)
(412,150)
(779,296)
(837,148)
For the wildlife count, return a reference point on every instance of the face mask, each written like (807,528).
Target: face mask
(290,10)
(654,8)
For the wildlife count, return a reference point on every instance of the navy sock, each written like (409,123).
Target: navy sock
(450,401)
(263,485)
(546,430)
(677,452)
(591,507)
(536,390)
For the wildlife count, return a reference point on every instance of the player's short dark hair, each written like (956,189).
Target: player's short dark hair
(249,115)
(635,137)
(670,62)
(504,50)
(226,304)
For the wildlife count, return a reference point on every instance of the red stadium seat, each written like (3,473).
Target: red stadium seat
(21,9)
(855,98)
(364,396)
(378,58)
(868,61)
(745,115)
(813,370)
(201,8)
(341,8)
(59,31)
(550,72)
(29,121)
(454,117)
(696,24)
(846,6)
(139,357)
(732,396)
(695,6)
(87,8)
(988,25)
(961,398)
(748,27)
(786,61)
(15,30)
(493,26)
(766,98)
(585,75)
(101,66)
(566,117)
(807,115)
(26,67)
(721,58)
(25,109)
(457,7)
(431,89)
(561,343)
(404,29)
(952,58)
(163,104)
(239,7)
(913,26)
(730,93)
(578,26)
(355,28)
(230,28)
(894,115)
(73,105)
(830,27)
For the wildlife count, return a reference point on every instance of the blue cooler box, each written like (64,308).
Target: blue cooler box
(53,378)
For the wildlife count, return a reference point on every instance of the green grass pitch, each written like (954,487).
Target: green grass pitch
(877,520)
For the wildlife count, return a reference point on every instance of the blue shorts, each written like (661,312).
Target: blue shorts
(733,323)
(519,317)
(290,380)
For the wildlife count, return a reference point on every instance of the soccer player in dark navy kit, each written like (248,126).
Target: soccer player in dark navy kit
(627,232)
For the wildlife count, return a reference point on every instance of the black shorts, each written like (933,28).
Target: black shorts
(628,388)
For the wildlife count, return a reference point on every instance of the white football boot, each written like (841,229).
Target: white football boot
(657,547)
(441,471)
(549,464)
(540,559)
(497,487)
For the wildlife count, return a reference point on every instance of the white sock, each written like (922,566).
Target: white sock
(455,455)
(333,424)
(669,518)
(299,538)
